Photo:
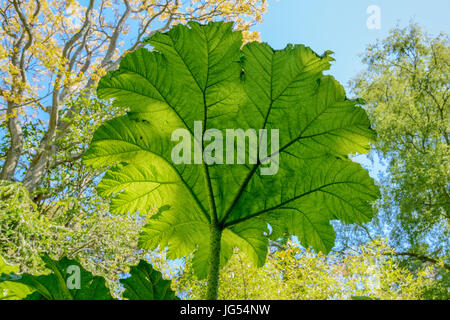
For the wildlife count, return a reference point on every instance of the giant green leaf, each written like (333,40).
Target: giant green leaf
(66,280)
(11,290)
(145,283)
(201,73)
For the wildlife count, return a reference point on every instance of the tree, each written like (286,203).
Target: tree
(54,50)
(52,54)
(105,244)
(293,273)
(199,86)
(406,87)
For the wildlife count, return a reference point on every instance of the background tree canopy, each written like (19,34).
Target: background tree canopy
(406,87)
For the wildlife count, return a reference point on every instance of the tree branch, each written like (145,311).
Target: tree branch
(420,258)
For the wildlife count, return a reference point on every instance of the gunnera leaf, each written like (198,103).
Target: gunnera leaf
(66,280)
(11,290)
(187,97)
(145,283)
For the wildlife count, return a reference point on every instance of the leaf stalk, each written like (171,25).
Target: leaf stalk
(214,263)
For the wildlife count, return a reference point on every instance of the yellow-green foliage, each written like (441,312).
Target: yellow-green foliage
(295,273)
(22,231)
(406,87)
(104,244)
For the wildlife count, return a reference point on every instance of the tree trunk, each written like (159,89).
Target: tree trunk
(15,148)
(38,167)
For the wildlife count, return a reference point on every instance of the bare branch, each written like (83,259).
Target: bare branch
(115,36)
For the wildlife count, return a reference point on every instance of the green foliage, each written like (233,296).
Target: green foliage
(23,232)
(294,273)
(67,280)
(66,206)
(55,285)
(406,87)
(145,283)
(199,73)
(363,298)
(440,288)
(103,243)
(10,290)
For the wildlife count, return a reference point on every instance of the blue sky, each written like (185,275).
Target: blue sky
(340,26)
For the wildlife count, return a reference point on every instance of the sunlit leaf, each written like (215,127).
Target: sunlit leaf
(66,280)
(201,73)
(145,283)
